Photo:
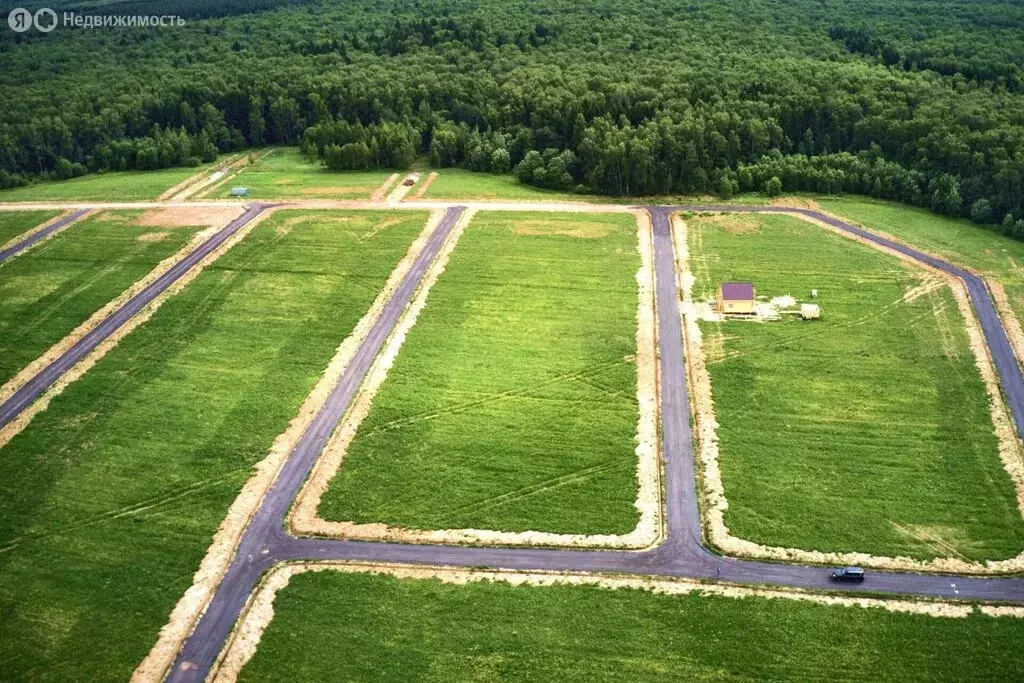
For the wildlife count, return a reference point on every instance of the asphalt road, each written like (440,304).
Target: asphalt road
(265,543)
(58,224)
(42,381)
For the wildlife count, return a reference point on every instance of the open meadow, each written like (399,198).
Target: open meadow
(49,290)
(286,173)
(867,430)
(512,403)
(109,499)
(113,186)
(332,626)
(457,183)
(983,249)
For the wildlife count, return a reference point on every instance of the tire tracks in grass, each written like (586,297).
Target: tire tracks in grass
(575,477)
(153,504)
(518,392)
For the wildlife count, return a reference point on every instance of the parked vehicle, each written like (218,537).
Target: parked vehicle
(855,574)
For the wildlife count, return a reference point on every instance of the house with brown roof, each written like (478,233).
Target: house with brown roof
(736,298)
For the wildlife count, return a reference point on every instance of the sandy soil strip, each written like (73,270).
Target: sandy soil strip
(713,490)
(422,189)
(260,611)
(381,192)
(218,556)
(191,181)
(42,226)
(183,192)
(15,426)
(398,194)
(304,519)
(236,169)
(1010,322)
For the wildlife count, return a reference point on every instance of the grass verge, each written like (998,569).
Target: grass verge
(109,499)
(512,404)
(347,626)
(866,431)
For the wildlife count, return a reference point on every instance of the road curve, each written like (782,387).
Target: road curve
(45,378)
(265,544)
(35,237)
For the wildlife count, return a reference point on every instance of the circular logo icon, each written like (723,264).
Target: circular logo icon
(20,20)
(45,20)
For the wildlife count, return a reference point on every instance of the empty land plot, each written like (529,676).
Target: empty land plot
(982,249)
(114,186)
(456,183)
(345,626)
(512,403)
(109,499)
(286,173)
(14,223)
(49,291)
(868,430)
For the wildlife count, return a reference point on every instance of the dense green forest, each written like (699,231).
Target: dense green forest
(920,101)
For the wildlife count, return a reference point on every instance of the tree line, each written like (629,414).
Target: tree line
(922,106)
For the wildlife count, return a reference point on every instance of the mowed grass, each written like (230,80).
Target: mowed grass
(112,186)
(14,223)
(331,626)
(867,430)
(457,183)
(48,291)
(512,403)
(285,173)
(109,499)
(983,249)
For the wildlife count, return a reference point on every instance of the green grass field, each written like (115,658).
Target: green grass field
(287,174)
(457,183)
(109,499)
(14,223)
(114,187)
(983,249)
(512,404)
(333,626)
(49,290)
(865,431)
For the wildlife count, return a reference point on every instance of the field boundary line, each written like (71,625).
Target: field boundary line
(305,519)
(11,429)
(709,473)
(55,351)
(221,550)
(259,611)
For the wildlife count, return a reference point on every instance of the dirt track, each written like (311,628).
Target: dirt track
(265,544)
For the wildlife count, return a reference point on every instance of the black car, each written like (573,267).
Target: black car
(848,574)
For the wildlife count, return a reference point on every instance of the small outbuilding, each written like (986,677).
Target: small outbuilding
(737,298)
(810,311)
(240,191)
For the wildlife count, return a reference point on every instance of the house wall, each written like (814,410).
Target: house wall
(738,307)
